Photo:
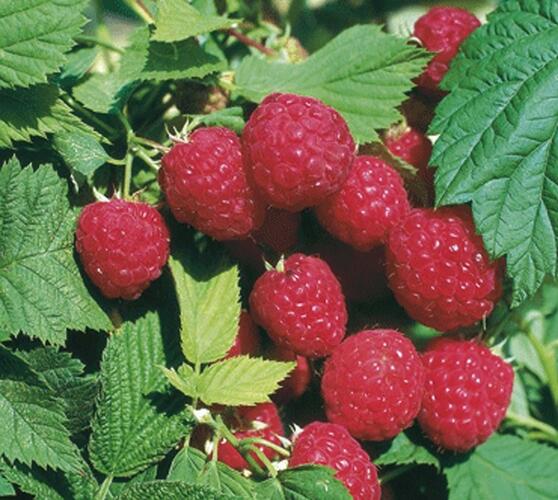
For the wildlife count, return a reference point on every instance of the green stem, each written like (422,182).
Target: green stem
(261,455)
(392,474)
(141,10)
(103,32)
(93,40)
(89,115)
(532,423)
(141,153)
(151,143)
(267,444)
(104,489)
(197,371)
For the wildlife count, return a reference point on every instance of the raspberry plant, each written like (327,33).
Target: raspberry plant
(163,192)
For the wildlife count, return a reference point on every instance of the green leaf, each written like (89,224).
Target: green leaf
(32,419)
(177,20)
(407,448)
(308,482)
(78,63)
(192,466)
(64,376)
(35,112)
(209,299)
(232,118)
(34,35)
(171,490)
(366,88)
(42,292)
(136,422)
(505,467)
(498,144)
(82,152)
(145,60)
(241,380)
(185,380)
(6,489)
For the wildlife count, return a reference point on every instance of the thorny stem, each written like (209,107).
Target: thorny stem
(392,474)
(104,489)
(549,432)
(241,37)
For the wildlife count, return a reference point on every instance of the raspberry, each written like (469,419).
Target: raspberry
(414,148)
(260,421)
(362,274)
(297,149)
(297,382)
(247,339)
(301,306)
(206,186)
(467,392)
(372,200)
(373,384)
(122,245)
(439,270)
(442,30)
(331,445)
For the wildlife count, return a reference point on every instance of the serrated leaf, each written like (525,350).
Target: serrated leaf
(192,466)
(177,20)
(118,486)
(498,144)
(82,152)
(137,422)
(241,380)
(33,420)
(407,448)
(366,85)
(308,482)
(34,35)
(505,467)
(185,380)
(77,64)
(6,489)
(171,490)
(209,299)
(35,112)
(42,292)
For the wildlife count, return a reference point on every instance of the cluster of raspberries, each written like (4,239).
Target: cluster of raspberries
(295,154)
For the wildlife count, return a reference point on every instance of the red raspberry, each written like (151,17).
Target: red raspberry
(247,339)
(301,306)
(122,245)
(206,186)
(439,270)
(442,30)
(331,445)
(414,148)
(260,421)
(373,384)
(297,382)
(372,200)
(466,394)
(298,150)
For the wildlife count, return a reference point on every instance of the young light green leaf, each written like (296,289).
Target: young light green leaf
(35,112)
(229,117)
(34,37)
(407,448)
(498,133)
(42,290)
(137,422)
(505,467)
(308,482)
(32,419)
(185,380)
(82,152)
(366,88)
(241,380)
(192,466)
(171,490)
(6,489)
(209,300)
(177,20)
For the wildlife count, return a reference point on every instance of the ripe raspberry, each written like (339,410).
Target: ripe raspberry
(297,149)
(442,30)
(301,306)
(439,270)
(297,382)
(372,200)
(373,384)
(331,445)
(206,186)
(247,339)
(466,395)
(260,421)
(122,245)
(362,274)
(414,148)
